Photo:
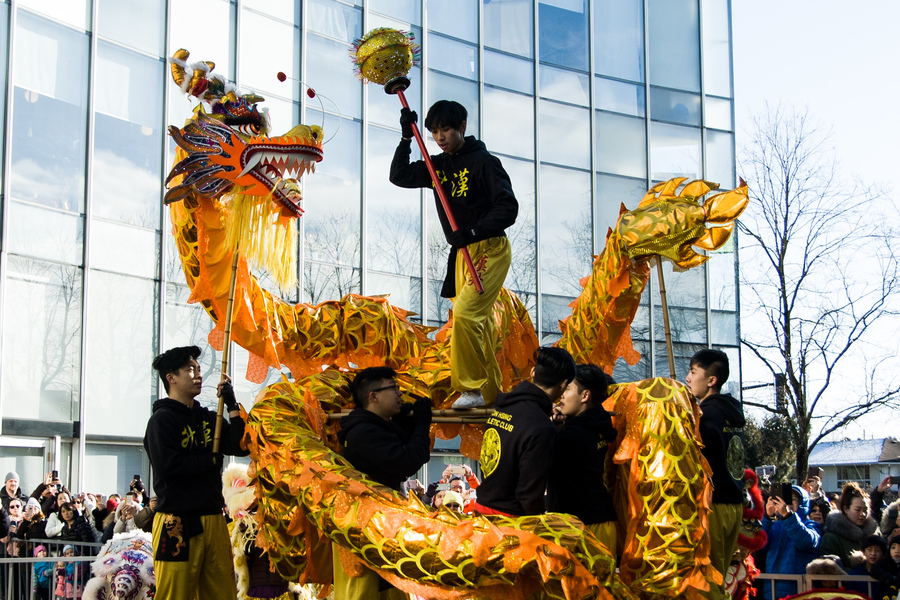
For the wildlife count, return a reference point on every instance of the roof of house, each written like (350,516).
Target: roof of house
(855,452)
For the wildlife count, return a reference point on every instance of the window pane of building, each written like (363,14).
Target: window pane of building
(394,223)
(286,10)
(565,86)
(564,33)
(621,145)
(76,13)
(458,18)
(45,233)
(522,275)
(138,23)
(565,134)
(121,343)
(437,250)
(128,137)
(722,282)
(716,48)
(507,71)
(723,326)
(674,107)
(213,41)
(613,192)
(625,372)
(404,10)
(330,56)
(334,19)
(453,57)
(619,39)
(445,87)
(258,62)
(674,151)
(675,44)
(109,468)
(49,114)
(718,113)
(509,122)
(509,26)
(620,97)
(124,248)
(566,230)
(720,158)
(41,340)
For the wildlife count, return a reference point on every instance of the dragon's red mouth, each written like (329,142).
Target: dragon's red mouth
(278,167)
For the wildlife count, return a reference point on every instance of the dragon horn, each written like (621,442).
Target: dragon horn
(179,61)
(715,237)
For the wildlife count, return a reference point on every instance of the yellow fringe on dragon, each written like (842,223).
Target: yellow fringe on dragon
(308,494)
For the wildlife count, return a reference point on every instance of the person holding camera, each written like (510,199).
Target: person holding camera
(793,539)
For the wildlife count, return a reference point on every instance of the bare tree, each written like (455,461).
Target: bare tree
(819,277)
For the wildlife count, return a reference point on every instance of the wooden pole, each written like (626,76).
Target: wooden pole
(454,416)
(665,312)
(226,350)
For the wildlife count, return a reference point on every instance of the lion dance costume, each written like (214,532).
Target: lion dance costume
(309,496)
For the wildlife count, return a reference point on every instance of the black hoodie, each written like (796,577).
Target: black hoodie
(576,485)
(386,451)
(721,430)
(517,451)
(478,190)
(179,441)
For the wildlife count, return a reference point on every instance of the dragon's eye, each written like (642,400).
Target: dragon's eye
(248,128)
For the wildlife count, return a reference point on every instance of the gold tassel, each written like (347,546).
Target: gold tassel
(266,238)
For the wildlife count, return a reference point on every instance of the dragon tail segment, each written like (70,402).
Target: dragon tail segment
(665,495)
(668,222)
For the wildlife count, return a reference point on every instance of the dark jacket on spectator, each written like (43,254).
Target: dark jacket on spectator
(5,498)
(79,531)
(887,572)
(842,538)
(721,427)
(576,484)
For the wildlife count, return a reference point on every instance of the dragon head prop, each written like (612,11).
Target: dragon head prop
(229,148)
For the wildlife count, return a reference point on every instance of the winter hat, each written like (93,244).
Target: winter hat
(894,540)
(38,548)
(112,504)
(69,547)
(12,475)
(33,502)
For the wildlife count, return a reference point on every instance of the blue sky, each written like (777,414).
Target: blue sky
(841,61)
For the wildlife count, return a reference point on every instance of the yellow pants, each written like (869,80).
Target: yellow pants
(473,360)
(209,571)
(364,587)
(724,526)
(606,533)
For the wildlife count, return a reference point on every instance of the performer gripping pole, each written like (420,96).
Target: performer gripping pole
(478,203)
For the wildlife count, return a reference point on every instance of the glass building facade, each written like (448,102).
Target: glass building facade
(586,102)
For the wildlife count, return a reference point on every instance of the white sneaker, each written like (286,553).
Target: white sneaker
(468,400)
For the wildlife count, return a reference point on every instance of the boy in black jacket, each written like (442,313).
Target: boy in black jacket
(577,485)
(517,447)
(192,548)
(388,444)
(481,198)
(721,428)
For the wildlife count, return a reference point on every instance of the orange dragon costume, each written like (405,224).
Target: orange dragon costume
(310,496)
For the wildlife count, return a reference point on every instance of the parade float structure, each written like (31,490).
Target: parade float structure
(309,496)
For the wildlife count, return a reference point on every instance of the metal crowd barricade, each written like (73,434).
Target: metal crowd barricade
(17,574)
(805,582)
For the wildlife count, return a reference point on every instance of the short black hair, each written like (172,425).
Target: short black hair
(552,366)
(173,360)
(876,540)
(366,381)
(446,113)
(714,362)
(592,378)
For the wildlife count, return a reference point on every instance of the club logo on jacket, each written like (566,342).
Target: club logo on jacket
(196,439)
(490,452)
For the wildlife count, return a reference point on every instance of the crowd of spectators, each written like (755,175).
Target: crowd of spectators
(52,521)
(851,533)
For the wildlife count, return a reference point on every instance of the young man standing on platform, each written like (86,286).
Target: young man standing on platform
(517,448)
(482,202)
